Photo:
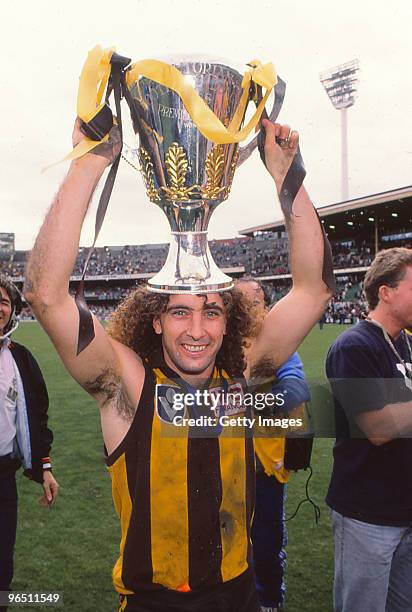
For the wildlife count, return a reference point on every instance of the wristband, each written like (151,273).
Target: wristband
(47,466)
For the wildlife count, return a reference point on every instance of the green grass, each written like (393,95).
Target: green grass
(72,547)
(309,575)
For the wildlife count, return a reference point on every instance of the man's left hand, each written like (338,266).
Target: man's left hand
(281,144)
(50,489)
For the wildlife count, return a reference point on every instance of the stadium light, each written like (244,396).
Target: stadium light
(340,84)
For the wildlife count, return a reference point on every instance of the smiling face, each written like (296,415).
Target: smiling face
(192,331)
(5,309)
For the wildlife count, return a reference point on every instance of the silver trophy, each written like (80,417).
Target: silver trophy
(186,174)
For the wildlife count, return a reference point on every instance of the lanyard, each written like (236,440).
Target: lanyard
(388,339)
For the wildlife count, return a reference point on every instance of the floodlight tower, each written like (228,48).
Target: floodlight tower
(340,84)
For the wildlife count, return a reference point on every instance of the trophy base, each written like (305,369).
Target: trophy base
(189,267)
(189,289)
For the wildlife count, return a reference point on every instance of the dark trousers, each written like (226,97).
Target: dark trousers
(269,540)
(8,526)
(237,595)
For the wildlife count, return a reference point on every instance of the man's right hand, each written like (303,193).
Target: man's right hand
(108,150)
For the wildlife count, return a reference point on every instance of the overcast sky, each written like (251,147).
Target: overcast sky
(44,47)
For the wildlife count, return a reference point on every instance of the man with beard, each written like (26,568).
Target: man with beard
(185,504)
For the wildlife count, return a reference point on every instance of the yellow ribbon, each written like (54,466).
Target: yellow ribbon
(202,116)
(93,81)
(96,72)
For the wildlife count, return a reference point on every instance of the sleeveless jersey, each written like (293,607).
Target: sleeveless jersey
(185,503)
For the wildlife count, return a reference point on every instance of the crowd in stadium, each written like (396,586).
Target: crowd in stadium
(267,254)
(346,307)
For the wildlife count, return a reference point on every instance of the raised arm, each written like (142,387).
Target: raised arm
(52,261)
(293,316)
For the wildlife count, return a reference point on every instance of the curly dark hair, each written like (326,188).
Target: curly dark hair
(132,325)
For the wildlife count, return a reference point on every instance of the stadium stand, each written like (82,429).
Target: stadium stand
(356,230)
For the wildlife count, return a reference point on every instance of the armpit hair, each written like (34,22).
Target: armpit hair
(108,385)
(264,369)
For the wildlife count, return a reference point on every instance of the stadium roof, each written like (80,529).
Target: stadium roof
(391,210)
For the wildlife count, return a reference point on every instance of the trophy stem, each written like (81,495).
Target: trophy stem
(189,267)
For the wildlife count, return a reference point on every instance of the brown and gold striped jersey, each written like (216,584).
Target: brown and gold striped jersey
(185,502)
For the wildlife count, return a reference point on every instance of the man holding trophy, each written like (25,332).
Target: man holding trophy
(185,502)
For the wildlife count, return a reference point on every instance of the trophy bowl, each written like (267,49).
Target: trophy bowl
(187,174)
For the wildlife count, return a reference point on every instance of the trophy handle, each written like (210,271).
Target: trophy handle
(279,91)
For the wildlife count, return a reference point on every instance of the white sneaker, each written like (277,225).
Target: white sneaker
(266,609)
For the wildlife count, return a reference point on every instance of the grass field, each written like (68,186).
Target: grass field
(72,547)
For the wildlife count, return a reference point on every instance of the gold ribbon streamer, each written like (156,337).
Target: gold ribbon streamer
(93,80)
(204,118)
(96,72)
